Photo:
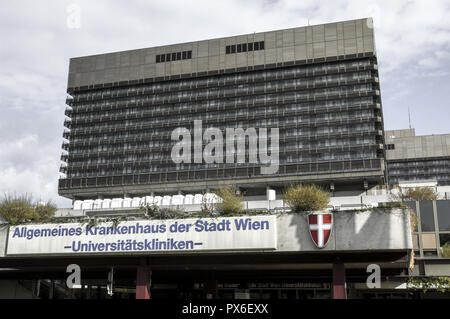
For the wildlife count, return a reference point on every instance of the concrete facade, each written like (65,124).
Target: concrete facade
(417,158)
(410,146)
(304,43)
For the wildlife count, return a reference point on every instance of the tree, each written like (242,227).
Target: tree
(415,194)
(45,211)
(445,250)
(302,198)
(230,203)
(19,209)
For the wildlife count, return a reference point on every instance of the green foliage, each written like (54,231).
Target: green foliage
(150,209)
(303,198)
(45,212)
(441,284)
(207,208)
(445,250)
(153,211)
(393,205)
(415,194)
(19,209)
(231,203)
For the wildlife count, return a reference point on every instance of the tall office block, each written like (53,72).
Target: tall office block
(317,84)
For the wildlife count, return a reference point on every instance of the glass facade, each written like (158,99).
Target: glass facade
(432,231)
(328,114)
(419,169)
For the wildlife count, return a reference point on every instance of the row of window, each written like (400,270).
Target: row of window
(415,171)
(271,110)
(213,105)
(244,47)
(174,56)
(164,136)
(390,146)
(280,98)
(147,167)
(243,89)
(271,121)
(423,163)
(288,147)
(174,85)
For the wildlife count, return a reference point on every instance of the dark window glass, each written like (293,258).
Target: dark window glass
(174,56)
(189,55)
(250,46)
(431,253)
(239,48)
(444,238)
(178,55)
(184,56)
(244,47)
(227,49)
(426,215)
(256,46)
(233,49)
(158,58)
(168,57)
(443,214)
(163,57)
(261,45)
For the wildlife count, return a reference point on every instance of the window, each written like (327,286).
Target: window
(174,56)
(244,47)
(444,238)
(390,146)
(426,215)
(443,214)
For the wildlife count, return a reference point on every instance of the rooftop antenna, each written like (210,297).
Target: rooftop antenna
(409,116)
(308,21)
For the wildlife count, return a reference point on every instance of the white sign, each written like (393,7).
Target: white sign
(145,236)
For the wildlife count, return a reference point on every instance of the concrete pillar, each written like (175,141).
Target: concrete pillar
(143,281)
(339,285)
(51,289)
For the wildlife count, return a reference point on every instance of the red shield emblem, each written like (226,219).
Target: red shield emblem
(320,225)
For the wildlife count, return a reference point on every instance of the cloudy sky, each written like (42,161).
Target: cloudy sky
(36,42)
